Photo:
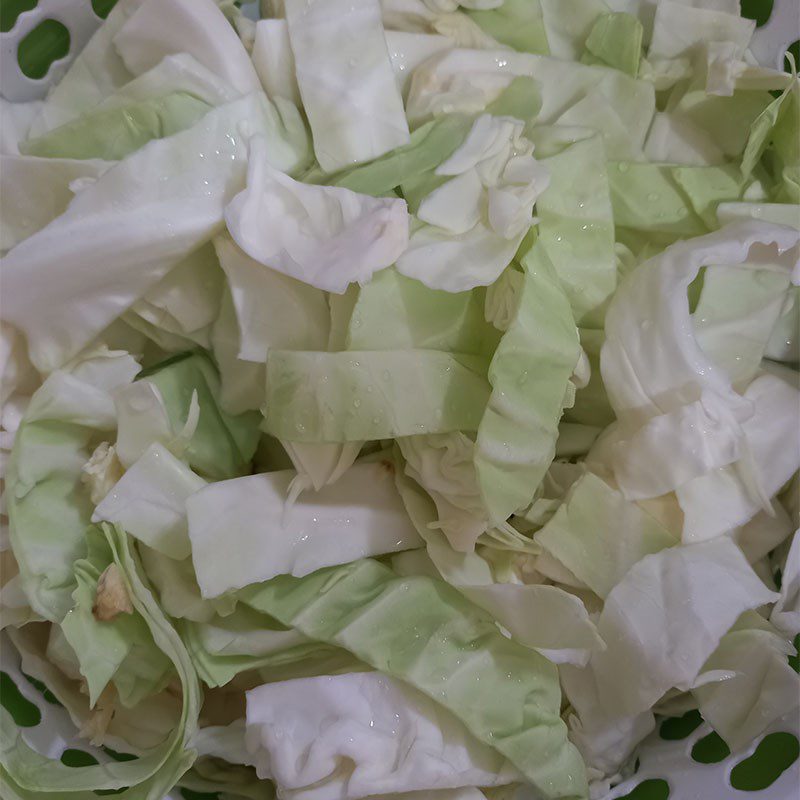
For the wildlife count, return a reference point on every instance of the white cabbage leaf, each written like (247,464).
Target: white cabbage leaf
(185,303)
(149,502)
(273,310)
(138,227)
(142,420)
(443,17)
(320,463)
(34,191)
(660,625)
(274,61)
(392,737)
(778,213)
(407,51)
(15,122)
(679,27)
(568,23)
(662,386)
(243,531)
(768,529)
(605,741)
(160,28)
(347,84)
(759,686)
(325,236)
(785,615)
(472,225)
(462,80)
(729,496)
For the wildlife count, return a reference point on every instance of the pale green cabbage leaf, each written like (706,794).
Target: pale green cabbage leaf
(154,773)
(47,505)
(358,395)
(500,712)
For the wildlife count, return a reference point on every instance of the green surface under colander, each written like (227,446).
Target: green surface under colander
(776,752)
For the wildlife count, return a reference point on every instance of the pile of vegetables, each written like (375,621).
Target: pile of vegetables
(400,398)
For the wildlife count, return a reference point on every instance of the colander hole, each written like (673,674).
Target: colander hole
(48,42)
(103,7)
(10,11)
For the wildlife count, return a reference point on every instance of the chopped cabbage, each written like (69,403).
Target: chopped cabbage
(399,397)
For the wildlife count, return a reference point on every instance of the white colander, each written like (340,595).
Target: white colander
(683,759)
